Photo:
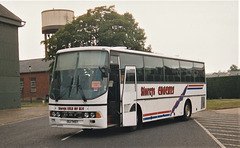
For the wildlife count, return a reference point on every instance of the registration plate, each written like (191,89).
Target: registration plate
(72,121)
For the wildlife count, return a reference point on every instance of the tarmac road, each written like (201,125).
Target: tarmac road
(28,127)
(164,133)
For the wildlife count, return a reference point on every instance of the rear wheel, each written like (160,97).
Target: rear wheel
(187,111)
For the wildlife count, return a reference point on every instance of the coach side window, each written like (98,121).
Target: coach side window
(172,70)
(132,60)
(153,68)
(187,71)
(199,74)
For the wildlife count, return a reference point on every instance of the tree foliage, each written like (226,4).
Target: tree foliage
(234,68)
(101,26)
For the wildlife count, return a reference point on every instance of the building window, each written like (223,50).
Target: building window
(22,85)
(33,84)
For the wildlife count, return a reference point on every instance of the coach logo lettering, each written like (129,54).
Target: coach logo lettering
(165,90)
(70,108)
(62,108)
(147,91)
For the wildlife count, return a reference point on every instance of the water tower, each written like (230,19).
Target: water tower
(53,20)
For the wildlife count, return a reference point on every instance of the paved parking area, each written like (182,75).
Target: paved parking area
(224,125)
(21,114)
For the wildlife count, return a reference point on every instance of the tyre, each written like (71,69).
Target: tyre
(187,111)
(139,118)
(139,122)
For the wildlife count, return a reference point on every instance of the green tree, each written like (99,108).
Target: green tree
(101,26)
(234,68)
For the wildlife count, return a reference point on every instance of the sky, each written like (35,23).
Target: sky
(197,30)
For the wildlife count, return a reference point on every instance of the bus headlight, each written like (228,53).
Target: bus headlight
(53,114)
(92,115)
(58,114)
(86,115)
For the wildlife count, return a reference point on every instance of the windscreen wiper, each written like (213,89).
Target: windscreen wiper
(70,88)
(60,97)
(82,93)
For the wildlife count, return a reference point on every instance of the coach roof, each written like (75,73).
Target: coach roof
(120,49)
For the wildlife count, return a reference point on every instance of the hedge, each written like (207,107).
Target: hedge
(223,87)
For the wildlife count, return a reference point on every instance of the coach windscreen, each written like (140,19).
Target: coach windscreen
(80,75)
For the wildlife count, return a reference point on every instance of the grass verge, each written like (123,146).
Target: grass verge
(35,103)
(213,104)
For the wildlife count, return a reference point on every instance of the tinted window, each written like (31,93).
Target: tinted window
(132,60)
(172,70)
(186,71)
(113,60)
(199,73)
(130,77)
(153,69)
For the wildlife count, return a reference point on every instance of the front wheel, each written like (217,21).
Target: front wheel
(187,111)
(139,122)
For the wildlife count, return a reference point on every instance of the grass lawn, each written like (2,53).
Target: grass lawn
(213,104)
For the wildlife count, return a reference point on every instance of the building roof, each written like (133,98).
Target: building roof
(37,65)
(7,16)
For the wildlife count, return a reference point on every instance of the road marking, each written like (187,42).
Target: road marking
(234,145)
(225,131)
(71,135)
(229,139)
(214,127)
(219,117)
(225,135)
(219,121)
(214,138)
(220,125)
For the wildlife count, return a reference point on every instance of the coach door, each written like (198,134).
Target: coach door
(129,95)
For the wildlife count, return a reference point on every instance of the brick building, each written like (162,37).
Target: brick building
(34,79)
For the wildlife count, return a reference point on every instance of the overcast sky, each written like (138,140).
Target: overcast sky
(205,30)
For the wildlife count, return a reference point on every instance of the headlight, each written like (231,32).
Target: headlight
(58,114)
(75,115)
(53,114)
(64,115)
(86,115)
(92,115)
